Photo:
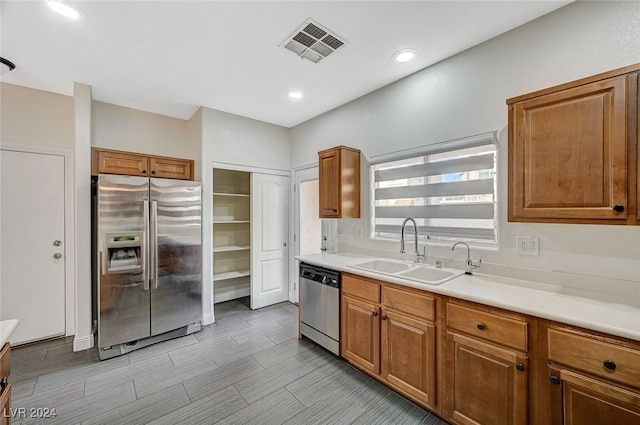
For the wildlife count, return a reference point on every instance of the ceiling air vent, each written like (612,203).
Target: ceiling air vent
(313,41)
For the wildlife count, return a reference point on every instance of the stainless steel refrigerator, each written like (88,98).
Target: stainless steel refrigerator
(148,256)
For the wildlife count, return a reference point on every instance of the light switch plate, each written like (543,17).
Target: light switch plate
(526,245)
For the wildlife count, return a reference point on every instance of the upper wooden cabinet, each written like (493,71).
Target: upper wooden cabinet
(339,182)
(106,161)
(569,152)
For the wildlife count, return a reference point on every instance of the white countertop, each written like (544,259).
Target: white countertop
(6,329)
(600,311)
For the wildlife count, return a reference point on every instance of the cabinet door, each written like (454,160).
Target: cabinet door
(171,168)
(122,163)
(5,405)
(360,334)
(580,400)
(567,154)
(330,185)
(409,356)
(484,383)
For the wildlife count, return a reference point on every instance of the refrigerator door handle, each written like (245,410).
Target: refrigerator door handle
(153,241)
(145,248)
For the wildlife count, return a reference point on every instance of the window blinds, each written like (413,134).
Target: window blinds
(448,188)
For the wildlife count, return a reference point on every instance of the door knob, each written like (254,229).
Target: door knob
(284,244)
(57,256)
(57,243)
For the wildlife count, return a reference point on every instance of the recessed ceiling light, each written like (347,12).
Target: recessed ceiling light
(296,95)
(64,10)
(404,55)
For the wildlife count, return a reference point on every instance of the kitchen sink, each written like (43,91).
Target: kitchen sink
(430,275)
(382,266)
(423,273)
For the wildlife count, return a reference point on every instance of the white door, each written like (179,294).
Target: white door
(32,285)
(269,236)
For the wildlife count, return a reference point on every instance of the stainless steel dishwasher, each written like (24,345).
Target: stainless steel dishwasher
(320,306)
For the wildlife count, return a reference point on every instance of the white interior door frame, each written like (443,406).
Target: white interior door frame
(69,224)
(301,174)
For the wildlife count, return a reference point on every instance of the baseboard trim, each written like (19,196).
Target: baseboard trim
(81,343)
(207,319)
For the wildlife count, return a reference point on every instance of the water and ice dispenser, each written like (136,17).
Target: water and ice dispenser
(124,252)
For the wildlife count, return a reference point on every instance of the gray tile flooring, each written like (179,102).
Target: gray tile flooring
(247,368)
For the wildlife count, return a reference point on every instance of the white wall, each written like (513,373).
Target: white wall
(35,117)
(465,95)
(232,139)
(121,128)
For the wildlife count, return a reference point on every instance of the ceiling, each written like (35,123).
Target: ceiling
(171,57)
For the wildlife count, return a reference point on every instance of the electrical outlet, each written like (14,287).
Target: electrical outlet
(357,232)
(527,246)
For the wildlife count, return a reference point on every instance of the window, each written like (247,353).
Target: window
(448,188)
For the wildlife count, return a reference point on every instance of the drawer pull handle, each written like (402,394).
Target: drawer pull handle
(520,367)
(618,208)
(554,380)
(374,313)
(480,326)
(383,317)
(609,365)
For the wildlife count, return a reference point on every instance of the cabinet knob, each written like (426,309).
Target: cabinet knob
(554,380)
(374,313)
(57,256)
(335,210)
(609,365)
(618,208)
(480,326)
(4,382)
(153,171)
(520,367)
(383,317)
(144,171)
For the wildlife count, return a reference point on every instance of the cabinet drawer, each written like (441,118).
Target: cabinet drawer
(503,330)
(5,361)
(599,358)
(409,302)
(361,288)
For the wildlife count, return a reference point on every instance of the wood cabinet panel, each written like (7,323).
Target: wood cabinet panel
(409,356)
(110,162)
(171,168)
(567,154)
(5,405)
(580,400)
(339,186)
(360,287)
(492,327)
(107,161)
(484,385)
(609,361)
(416,304)
(5,361)
(360,333)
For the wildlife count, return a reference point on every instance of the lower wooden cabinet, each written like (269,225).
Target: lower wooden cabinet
(593,378)
(478,365)
(486,384)
(580,400)
(390,339)
(5,386)
(409,356)
(360,334)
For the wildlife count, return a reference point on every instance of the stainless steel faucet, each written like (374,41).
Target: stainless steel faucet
(469,264)
(417,257)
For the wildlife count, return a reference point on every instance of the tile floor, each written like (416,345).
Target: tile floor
(247,368)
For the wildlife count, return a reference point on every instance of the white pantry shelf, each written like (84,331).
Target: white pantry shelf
(231,275)
(229,248)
